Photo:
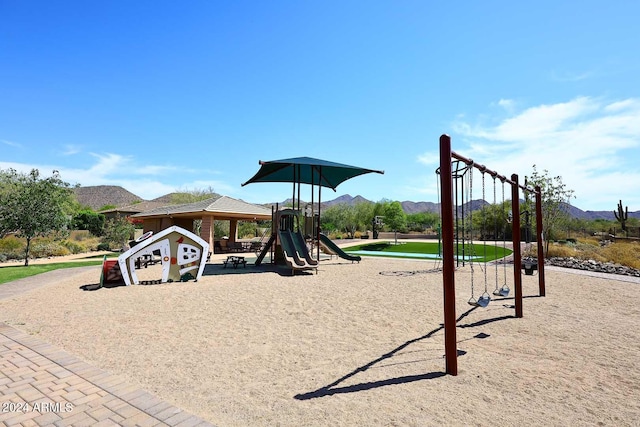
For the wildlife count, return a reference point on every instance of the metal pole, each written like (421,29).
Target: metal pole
(319,207)
(540,239)
(448,270)
(517,252)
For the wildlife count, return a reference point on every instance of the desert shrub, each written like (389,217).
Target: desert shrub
(12,247)
(562,251)
(103,247)
(80,235)
(74,247)
(623,253)
(43,248)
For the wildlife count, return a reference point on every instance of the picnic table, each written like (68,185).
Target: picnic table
(235,261)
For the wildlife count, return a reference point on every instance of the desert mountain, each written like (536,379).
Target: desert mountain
(102,195)
(97,196)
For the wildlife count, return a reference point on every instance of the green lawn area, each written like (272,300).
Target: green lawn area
(9,274)
(15,272)
(483,253)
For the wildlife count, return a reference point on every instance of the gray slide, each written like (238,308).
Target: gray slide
(332,248)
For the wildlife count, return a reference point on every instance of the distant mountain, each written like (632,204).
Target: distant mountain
(97,196)
(417,207)
(593,215)
(346,199)
(410,207)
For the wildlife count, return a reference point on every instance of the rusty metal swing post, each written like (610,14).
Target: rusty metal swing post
(448,261)
(448,257)
(540,239)
(517,250)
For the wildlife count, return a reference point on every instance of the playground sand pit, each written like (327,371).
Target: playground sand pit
(351,346)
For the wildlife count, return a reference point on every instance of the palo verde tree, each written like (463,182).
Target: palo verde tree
(117,231)
(555,198)
(32,206)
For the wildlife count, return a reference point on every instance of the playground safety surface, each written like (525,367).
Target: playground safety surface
(41,385)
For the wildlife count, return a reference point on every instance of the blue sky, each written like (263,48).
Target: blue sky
(160,96)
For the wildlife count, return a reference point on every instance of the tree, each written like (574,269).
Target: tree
(87,219)
(32,206)
(394,217)
(332,218)
(555,197)
(422,220)
(365,214)
(117,231)
(191,196)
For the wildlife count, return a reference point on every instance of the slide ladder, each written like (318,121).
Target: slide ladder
(265,249)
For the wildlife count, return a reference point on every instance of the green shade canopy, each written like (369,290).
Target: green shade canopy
(307,170)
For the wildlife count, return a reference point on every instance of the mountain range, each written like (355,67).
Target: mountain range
(99,196)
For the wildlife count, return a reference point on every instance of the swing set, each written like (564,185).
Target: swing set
(453,168)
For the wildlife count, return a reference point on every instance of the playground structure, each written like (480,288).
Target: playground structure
(291,230)
(182,254)
(450,172)
(287,243)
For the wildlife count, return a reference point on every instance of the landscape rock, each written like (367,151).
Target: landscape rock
(589,265)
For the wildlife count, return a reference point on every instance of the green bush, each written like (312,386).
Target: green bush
(44,248)
(103,247)
(74,247)
(12,248)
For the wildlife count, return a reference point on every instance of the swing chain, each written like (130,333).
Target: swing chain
(495,226)
(471,226)
(484,232)
(504,239)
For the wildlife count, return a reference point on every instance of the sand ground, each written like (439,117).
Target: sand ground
(355,344)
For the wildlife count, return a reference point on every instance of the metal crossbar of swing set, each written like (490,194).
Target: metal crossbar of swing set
(484,169)
(448,268)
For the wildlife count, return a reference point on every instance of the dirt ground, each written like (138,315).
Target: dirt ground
(355,344)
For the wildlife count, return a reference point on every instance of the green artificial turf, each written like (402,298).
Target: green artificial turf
(9,274)
(485,253)
(15,272)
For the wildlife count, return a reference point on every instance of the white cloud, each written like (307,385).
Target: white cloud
(592,144)
(145,180)
(567,76)
(10,143)
(429,158)
(70,150)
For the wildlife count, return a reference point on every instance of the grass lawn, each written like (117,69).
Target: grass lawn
(483,253)
(15,272)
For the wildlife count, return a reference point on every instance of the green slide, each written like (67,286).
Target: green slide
(331,248)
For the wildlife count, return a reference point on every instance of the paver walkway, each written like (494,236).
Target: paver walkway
(41,385)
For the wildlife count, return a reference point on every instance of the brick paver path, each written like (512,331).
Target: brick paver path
(41,385)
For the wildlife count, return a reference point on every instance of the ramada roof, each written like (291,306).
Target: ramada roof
(222,207)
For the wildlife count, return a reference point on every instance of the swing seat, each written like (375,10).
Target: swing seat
(502,292)
(483,301)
